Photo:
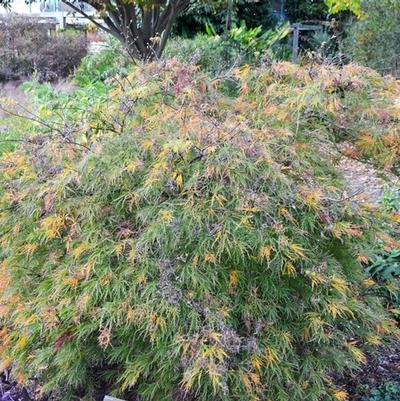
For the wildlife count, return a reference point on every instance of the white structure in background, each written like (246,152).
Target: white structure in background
(20,7)
(49,9)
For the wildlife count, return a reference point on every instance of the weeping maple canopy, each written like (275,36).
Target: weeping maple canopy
(175,244)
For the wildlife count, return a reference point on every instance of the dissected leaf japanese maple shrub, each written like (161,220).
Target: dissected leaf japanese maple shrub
(354,104)
(188,246)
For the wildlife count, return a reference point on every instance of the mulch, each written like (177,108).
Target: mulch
(10,391)
(383,365)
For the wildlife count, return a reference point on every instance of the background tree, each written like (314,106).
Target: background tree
(336,6)
(143,26)
(257,13)
(194,18)
(374,40)
(305,10)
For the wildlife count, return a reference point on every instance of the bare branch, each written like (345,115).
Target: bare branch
(77,9)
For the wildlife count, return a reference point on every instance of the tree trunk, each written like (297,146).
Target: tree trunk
(229,10)
(143,30)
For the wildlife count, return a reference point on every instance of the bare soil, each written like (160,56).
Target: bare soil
(383,365)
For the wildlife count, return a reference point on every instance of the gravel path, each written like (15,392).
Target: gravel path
(365,183)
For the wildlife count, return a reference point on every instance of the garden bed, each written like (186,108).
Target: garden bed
(382,366)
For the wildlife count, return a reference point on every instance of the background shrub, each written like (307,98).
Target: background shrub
(59,58)
(374,40)
(208,52)
(385,270)
(173,243)
(390,199)
(198,14)
(26,47)
(99,67)
(20,40)
(217,55)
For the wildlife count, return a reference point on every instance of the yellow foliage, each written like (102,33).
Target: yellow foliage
(233,281)
(298,251)
(210,258)
(395,217)
(288,269)
(87,268)
(368,282)
(316,279)
(356,352)
(215,336)
(29,249)
(366,143)
(333,309)
(214,376)
(118,248)
(255,378)
(246,381)
(22,343)
(80,249)
(132,166)
(243,71)
(340,395)
(214,352)
(178,179)
(344,228)
(71,281)
(373,340)
(52,225)
(256,362)
(166,216)
(130,314)
(339,284)
(312,197)
(271,356)
(5,363)
(265,252)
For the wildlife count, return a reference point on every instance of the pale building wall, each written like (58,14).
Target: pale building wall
(20,7)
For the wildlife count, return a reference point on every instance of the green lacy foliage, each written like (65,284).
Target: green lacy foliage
(387,392)
(87,87)
(353,103)
(173,243)
(374,40)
